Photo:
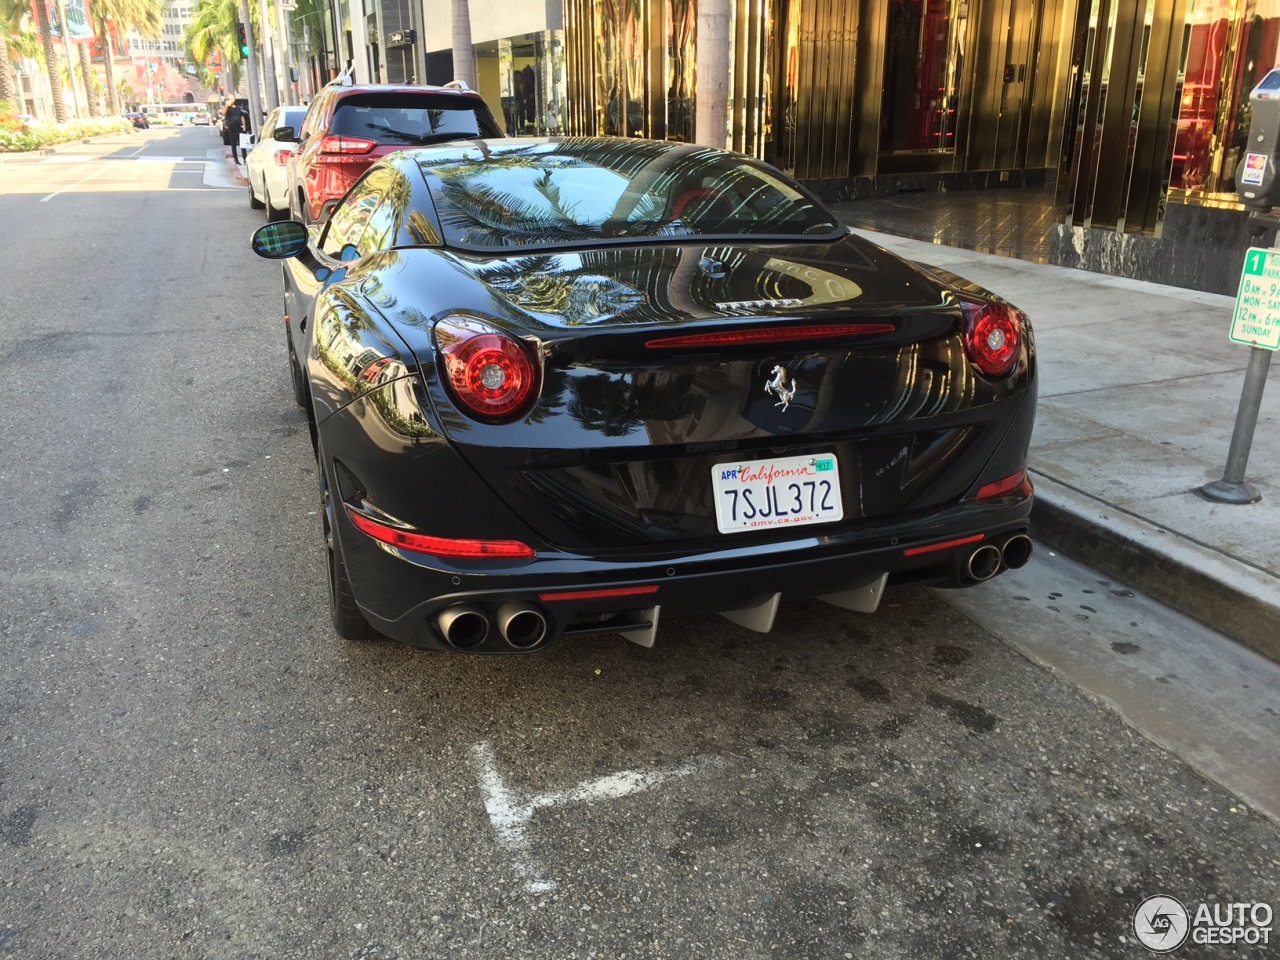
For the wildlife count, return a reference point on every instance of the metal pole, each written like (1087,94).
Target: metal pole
(282,31)
(268,58)
(1232,488)
(255,104)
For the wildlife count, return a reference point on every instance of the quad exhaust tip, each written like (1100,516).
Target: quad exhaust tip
(463,626)
(983,563)
(1016,551)
(522,627)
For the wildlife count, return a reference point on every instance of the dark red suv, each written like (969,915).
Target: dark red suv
(347,128)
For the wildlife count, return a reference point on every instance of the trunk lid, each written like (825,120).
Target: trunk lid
(654,378)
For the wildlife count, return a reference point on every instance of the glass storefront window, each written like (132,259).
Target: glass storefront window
(922,65)
(682,20)
(621,60)
(1228,46)
(531,79)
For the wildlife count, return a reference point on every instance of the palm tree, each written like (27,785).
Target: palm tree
(213,26)
(11,14)
(50,61)
(90,82)
(464,55)
(145,16)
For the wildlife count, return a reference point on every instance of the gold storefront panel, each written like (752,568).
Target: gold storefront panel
(631,70)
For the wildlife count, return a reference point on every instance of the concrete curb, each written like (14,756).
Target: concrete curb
(27,156)
(1236,599)
(31,156)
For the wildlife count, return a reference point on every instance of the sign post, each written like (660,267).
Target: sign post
(1256,322)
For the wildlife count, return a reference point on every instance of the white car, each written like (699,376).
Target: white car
(267,165)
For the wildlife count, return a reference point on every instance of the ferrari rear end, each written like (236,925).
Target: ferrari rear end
(564,440)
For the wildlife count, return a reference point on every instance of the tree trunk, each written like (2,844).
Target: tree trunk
(6,78)
(50,62)
(86,77)
(712,63)
(464,54)
(109,68)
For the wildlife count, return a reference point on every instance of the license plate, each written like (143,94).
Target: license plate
(785,491)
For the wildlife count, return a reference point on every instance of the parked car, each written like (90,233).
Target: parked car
(267,166)
(561,388)
(347,128)
(139,121)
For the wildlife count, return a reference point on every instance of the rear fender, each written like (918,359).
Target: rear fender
(353,352)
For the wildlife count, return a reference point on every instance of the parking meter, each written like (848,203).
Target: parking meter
(1257,181)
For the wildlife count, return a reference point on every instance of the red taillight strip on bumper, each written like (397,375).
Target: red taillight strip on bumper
(1018,483)
(442,546)
(947,545)
(727,338)
(598,594)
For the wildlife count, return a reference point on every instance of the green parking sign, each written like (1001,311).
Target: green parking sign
(1256,321)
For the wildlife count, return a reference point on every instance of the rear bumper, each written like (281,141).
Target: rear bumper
(402,594)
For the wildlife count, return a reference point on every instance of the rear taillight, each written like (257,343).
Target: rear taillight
(1016,485)
(491,375)
(281,157)
(992,336)
(441,546)
(346,146)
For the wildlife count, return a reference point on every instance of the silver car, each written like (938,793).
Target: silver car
(267,165)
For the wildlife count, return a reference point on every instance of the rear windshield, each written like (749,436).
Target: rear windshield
(573,191)
(412,119)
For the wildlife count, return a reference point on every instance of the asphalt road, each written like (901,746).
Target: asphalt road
(193,766)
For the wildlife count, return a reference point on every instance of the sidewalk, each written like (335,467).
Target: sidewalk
(1139,387)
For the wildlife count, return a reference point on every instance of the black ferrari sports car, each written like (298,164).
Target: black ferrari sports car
(558,387)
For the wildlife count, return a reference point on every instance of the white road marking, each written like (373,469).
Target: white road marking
(214,168)
(510,813)
(96,173)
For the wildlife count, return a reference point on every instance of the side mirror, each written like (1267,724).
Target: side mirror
(284,135)
(280,240)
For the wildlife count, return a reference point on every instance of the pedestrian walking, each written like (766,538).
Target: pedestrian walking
(233,124)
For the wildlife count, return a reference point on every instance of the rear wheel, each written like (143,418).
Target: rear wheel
(348,621)
(254,202)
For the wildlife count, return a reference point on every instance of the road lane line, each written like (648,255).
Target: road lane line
(72,186)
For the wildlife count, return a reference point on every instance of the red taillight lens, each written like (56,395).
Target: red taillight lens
(442,546)
(1016,484)
(346,146)
(281,157)
(992,336)
(489,373)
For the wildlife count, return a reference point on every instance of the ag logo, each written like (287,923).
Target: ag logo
(1161,924)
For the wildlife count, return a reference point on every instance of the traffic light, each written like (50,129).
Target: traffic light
(244,41)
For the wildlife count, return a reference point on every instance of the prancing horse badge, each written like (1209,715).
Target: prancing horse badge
(779,387)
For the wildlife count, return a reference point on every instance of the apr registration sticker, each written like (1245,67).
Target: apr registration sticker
(1255,167)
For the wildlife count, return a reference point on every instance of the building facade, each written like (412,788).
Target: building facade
(1133,113)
